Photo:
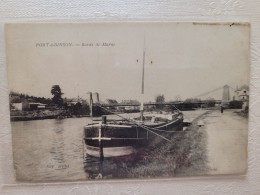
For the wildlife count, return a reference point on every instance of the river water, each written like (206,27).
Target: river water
(53,149)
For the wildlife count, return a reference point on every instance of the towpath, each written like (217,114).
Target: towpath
(227,136)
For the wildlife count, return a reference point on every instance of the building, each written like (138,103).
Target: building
(131,105)
(22,104)
(19,104)
(111,101)
(242,93)
(73,101)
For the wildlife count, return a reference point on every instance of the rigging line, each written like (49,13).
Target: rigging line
(154,129)
(130,120)
(155,133)
(142,126)
(182,113)
(83,156)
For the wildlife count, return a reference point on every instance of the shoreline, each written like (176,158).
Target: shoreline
(25,118)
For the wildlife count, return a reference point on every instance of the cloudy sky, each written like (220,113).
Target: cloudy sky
(181,59)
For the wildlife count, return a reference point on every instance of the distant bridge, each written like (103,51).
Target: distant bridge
(224,101)
(164,103)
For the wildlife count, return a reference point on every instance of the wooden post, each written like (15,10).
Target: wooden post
(104,119)
(142,91)
(101,135)
(91,104)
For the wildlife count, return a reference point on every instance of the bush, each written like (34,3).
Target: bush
(235,104)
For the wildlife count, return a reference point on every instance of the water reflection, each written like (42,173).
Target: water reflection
(57,145)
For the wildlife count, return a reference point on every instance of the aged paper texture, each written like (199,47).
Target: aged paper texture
(123,100)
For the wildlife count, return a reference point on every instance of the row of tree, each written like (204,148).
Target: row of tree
(189,103)
(74,109)
(53,103)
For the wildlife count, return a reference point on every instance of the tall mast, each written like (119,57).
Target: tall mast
(142,90)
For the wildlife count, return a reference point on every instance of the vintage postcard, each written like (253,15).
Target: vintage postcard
(116,100)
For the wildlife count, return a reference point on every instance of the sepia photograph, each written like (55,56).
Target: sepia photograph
(128,100)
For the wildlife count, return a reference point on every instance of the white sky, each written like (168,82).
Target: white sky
(187,59)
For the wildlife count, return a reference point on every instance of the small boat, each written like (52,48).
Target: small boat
(127,136)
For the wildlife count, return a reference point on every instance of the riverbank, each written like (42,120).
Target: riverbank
(185,155)
(215,143)
(18,115)
(42,114)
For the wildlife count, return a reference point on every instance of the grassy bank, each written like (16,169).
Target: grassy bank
(186,155)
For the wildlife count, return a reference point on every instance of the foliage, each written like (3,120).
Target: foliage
(56,92)
(16,97)
(159,100)
(112,101)
(191,103)
(79,109)
(185,155)
(210,102)
(192,100)
(235,104)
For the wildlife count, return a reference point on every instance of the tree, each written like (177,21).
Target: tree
(235,104)
(191,103)
(56,92)
(210,102)
(159,100)
(77,108)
